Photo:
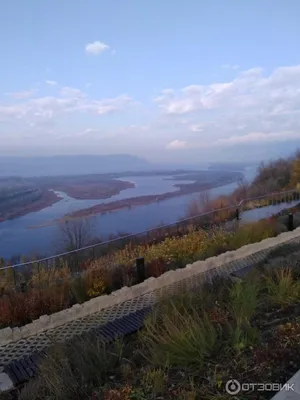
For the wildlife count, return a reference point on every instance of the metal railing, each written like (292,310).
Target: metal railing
(75,259)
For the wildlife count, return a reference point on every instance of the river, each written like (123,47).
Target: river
(17,238)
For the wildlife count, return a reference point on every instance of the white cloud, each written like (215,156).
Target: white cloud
(278,92)
(96,48)
(196,128)
(255,137)
(176,144)
(51,83)
(67,91)
(105,106)
(71,100)
(231,66)
(193,98)
(253,108)
(11,112)
(25,94)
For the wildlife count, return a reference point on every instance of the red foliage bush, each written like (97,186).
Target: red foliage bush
(21,308)
(156,268)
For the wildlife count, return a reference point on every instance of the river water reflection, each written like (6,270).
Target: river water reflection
(16,238)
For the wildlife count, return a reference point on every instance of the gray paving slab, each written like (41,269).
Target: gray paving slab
(5,383)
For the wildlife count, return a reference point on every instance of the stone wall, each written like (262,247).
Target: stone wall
(45,322)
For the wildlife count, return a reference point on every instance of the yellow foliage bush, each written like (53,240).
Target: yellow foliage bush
(252,233)
(95,281)
(195,243)
(97,289)
(172,249)
(45,276)
(7,280)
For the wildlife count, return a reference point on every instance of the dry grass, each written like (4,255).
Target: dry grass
(189,347)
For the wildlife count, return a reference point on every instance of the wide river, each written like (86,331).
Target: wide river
(17,236)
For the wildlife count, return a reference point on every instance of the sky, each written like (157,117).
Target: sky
(167,80)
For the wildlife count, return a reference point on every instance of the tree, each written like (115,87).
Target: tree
(242,191)
(75,233)
(272,177)
(202,205)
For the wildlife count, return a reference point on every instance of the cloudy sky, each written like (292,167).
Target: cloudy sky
(164,79)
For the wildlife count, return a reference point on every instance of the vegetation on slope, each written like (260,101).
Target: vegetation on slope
(191,344)
(272,177)
(49,290)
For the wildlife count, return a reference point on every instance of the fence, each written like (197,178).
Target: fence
(77,259)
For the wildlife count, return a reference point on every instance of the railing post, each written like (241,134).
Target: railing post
(140,269)
(23,287)
(14,275)
(291,222)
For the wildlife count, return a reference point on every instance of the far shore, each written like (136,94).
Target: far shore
(104,208)
(94,190)
(50,195)
(48,198)
(183,189)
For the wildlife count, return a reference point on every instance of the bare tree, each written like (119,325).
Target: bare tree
(273,176)
(242,191)
(200,205)
(205,201)
(75,233)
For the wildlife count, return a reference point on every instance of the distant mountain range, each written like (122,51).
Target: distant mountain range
(88,164)
(70,165)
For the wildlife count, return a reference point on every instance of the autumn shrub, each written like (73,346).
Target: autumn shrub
(252,233)
(120,276)
(78,293)
(57,297)
(86,264)
(18,308)
(197,244)
(157,267)
(219,204)
(13,309)
(48,276)
(217,241)
(7,280)
(94,275)
(171,249)
(216,207)
(115,270)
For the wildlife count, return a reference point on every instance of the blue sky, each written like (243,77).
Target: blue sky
(167,80)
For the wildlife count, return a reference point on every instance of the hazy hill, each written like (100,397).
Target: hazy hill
(17,166)
(71,165)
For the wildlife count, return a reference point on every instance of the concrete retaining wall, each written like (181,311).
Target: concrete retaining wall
(45,322)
